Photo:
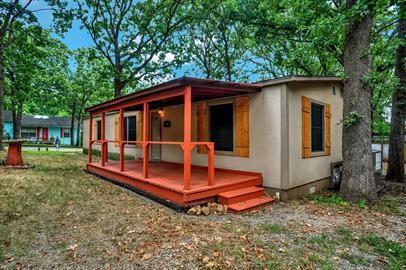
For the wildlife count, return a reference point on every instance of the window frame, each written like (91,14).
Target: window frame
(323,152)
(98,122)
(222,102)
(126,122)
(29,132)
(63,132)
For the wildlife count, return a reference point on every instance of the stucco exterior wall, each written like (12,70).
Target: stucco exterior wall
(8,129)
(129,149)
(303,171)
(264,133)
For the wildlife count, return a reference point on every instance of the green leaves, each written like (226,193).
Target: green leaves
(133,36)
(352,119)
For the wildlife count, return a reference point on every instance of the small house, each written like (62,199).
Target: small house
(41,129)
(196,140)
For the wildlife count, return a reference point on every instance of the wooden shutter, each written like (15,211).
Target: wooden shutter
(328,129)
(138,127)
(202,126)
(242,115)
(116,130)
(306,126)
(94,130)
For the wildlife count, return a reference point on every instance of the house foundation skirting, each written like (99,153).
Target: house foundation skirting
(302,190)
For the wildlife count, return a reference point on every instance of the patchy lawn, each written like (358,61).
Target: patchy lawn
(58,216)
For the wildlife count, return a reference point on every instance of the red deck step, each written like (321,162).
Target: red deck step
(250,204)
(240,195)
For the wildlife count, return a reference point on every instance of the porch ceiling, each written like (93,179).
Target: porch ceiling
(202,89)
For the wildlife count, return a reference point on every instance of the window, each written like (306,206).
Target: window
(221,126)
(98,130)
(28,133)
(317,124)
(130,132)
(66,133)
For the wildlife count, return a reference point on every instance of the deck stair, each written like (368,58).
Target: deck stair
(245,199)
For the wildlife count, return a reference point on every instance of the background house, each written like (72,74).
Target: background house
(42,129)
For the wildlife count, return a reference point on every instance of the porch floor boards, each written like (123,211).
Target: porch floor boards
(165,180)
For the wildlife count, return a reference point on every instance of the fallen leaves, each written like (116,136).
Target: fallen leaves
(73,247)
(108,224)
(146,256)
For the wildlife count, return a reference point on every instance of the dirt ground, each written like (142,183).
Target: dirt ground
(57,216)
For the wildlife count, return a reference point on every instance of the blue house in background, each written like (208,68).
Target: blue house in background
(41,129)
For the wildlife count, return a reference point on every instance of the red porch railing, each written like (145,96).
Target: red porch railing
(209,145)
(187,145)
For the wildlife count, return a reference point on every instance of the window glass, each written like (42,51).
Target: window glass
(98,130)
(28,133)
(222,126)
(130,132)
(317,119)
(66,133)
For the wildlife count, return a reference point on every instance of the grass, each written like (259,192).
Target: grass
(390,249)
(387,204)
(110,155)
(273,228)
(390,205)
(57,216)
(329,199)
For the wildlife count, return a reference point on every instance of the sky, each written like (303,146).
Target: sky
(75,38)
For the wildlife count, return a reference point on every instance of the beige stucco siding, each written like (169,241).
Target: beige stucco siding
(302,171)
(265,138)
(129,149)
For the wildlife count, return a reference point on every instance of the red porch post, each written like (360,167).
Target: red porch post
(210,164)
(187,134)
(121,143)
(103,137)
(90,142)
(145,146)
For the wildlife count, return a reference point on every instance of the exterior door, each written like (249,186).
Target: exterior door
(155,135)
(44,134)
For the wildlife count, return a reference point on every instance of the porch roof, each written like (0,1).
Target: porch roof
(202,89)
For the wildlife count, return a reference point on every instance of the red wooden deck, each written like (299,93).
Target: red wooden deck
(165,180)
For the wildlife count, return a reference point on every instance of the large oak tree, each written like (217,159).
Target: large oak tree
(396,171)
(134,36)
(358,173)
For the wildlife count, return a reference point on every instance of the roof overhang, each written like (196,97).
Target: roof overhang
(201,89)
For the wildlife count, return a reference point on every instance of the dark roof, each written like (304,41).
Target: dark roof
(40,121)
(217,89)
(299,78)
(205,89)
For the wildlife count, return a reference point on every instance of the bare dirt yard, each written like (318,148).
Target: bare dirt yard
(57,216)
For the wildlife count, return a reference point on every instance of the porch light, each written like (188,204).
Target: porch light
(161,112)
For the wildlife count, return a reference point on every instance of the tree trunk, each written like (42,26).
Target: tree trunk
(1,98)
(118,83)
(358,174)
(17,116)
(118,86)
(396,169)
(79,119)
(72,123)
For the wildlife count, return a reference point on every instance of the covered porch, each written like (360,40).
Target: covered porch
(164,180)
(180,183)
